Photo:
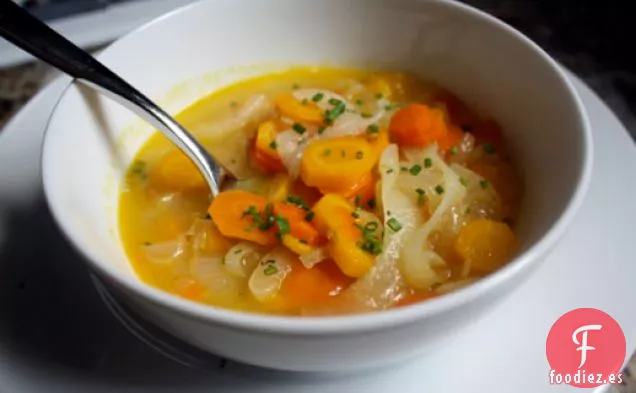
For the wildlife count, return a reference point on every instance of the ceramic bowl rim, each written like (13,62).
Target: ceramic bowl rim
(347,324)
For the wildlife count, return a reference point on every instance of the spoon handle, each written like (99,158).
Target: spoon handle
(36,38)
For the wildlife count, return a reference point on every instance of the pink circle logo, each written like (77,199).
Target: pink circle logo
(585,348)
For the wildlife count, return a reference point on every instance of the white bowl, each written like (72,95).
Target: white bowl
(192,51)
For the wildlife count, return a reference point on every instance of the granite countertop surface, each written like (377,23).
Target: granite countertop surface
(591,38)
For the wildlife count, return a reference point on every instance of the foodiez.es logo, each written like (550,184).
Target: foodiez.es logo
(585,349)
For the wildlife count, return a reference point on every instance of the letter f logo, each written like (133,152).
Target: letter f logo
(583,344)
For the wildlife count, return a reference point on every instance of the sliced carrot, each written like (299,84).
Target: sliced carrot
(299,227)
(414,298)
(308,194)
(175,171)
(418,125)
(352,190)
(290,107)
(228,210)
(311,287)
(337,163)
(266,163)
(296,246)
(333,218)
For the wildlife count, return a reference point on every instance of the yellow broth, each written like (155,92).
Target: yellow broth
(321,224)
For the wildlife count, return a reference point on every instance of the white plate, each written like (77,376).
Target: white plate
(594,266)
(98,27)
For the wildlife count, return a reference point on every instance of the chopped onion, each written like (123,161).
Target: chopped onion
(241,259)
(314,257)
(166,253)
(268,276)
(199,232)
(211,273)
(290,148)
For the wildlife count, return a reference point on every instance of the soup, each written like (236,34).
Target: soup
(355,191)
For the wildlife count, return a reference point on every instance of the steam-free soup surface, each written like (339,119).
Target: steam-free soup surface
(357,191)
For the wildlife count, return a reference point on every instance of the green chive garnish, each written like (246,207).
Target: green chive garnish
(273,145)
(270,270)
(317,97)
(439,189)
(484,184)
(299,128)
(453,150)
(359,155)
(371,226)
(463,181)
(394,224)
(415,169)
(373,129)
(428,163)
(421,196)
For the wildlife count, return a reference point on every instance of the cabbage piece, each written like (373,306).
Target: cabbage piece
(419,263)
(481,201)
(383,284)
(228,140)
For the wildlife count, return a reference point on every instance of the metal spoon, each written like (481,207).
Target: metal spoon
(35,37)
